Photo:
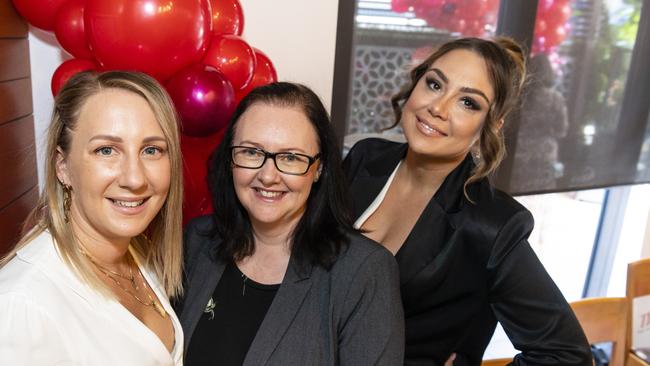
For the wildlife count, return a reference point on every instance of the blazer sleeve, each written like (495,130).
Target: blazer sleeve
(372,328)
(28,335)
(529,306)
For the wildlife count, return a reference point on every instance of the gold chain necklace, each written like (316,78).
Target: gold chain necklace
(115,277)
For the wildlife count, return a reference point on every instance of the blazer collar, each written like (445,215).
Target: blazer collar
(286,304)
(438,220)
(449,196)
(281,313)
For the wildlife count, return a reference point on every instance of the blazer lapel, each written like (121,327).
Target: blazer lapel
(369,182)
(205,276)
(434,228)
(285,306)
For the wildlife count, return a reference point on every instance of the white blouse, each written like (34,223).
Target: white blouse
(49,317)
(377,201)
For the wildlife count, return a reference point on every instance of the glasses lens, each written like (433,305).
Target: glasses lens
(247,157)
(292,163)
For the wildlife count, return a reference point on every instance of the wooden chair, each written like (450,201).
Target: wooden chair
(496,362)
(604,319)
(638,284)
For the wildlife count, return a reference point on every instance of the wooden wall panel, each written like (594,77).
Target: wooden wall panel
(18,179)
(13,53)
(11,24)
(12,218)
(17,159)
(15,99)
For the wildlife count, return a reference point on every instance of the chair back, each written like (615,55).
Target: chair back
(638,284)
(497,362)
(604,319)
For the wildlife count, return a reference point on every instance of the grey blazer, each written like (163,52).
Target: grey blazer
(349,315)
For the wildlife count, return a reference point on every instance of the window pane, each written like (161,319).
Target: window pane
(569,127)
(393,36)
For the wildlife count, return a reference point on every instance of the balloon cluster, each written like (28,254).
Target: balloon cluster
(193,47)
(468,17)
(551,25)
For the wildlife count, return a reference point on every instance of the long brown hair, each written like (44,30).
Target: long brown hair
(505,62)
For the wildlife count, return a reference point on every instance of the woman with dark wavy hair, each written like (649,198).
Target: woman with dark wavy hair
(461,245)
(278,275)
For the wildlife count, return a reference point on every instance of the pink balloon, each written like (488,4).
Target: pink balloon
(69,29)
(39,13)
(68,69)
(400,6)
(158,37)
(203,98)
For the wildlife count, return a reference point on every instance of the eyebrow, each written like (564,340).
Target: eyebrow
(259,146)
(464,89)
(112,138)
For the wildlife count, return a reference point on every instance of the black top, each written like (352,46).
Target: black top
(465,266)
(230,320)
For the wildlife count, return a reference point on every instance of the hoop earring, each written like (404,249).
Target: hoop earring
(67,201)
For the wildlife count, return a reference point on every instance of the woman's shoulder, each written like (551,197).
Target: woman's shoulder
(494,205)
(199,234)
(362,254)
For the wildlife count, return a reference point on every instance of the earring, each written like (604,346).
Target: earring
(476,155)
(67,201)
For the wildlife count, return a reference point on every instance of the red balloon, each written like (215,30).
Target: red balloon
(196,152)
(69,29)
(400,6)
(233,57)
(39,13)
(264,74)
(203,98)
(158,37)
(68,69)
(227,17)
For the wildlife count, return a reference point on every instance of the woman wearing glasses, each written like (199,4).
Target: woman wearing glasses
(277,275)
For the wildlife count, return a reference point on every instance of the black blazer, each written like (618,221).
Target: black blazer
(464,266)
(349,315)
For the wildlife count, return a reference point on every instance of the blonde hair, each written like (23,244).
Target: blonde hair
(506,65)
(160,247)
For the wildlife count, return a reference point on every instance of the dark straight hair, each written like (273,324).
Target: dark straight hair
(321,232)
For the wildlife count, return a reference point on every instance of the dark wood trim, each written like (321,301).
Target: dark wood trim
(517,21)
(14,53)
(12,25)
(13,216)
(17,159)
(341,89)
(15,99)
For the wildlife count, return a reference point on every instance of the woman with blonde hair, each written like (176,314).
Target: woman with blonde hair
(89,282)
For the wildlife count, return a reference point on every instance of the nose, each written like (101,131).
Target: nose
(268,174)
(132,175)
(439,107)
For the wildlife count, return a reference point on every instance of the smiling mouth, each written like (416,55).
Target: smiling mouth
(129,204)
(427,128)
(268,194)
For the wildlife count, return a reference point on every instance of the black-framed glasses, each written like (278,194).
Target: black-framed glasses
(286,162)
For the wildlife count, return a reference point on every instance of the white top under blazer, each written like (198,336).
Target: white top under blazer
(48,316)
